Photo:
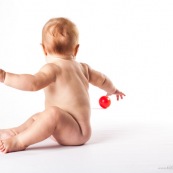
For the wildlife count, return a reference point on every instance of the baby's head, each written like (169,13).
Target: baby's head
(60,37)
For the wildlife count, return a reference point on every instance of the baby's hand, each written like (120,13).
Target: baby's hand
(2,75)
(118,94)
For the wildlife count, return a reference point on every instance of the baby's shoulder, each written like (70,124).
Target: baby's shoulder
(50,67)
(85,68)
(84,65)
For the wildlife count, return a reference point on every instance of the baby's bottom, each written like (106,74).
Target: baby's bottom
(53,121)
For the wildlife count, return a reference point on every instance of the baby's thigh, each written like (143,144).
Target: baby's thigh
(69,131)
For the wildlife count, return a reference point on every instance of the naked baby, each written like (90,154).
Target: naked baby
(65,81)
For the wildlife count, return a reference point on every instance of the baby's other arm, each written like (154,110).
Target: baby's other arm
(28,82)
(103,82)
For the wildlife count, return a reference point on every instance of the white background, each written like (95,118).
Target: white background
(129,40)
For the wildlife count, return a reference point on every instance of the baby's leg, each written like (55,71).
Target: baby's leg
(32,131)
(53,121)
(8,133)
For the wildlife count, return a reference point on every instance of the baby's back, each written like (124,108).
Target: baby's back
(70,90)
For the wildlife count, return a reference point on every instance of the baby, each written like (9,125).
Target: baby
(65,81)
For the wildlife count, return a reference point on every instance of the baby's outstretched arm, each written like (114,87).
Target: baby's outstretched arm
(28,82)
(102,81)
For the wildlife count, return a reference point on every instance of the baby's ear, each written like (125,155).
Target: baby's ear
(76,49)
(44,49)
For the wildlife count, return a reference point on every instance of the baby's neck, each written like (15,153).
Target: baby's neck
(51,58)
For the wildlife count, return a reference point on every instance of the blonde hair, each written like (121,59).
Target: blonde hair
(60,36)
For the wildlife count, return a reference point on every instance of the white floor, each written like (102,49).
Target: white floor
(120,143)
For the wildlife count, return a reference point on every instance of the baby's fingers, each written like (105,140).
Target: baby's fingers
(120,96)
(117,97)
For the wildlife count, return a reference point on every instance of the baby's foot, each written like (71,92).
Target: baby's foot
(6,133)
(10,145)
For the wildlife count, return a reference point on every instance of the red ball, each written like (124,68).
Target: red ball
(104,102)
